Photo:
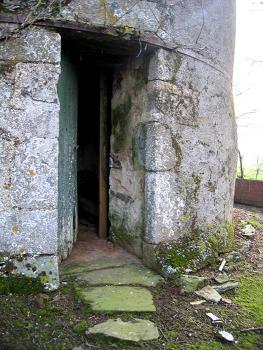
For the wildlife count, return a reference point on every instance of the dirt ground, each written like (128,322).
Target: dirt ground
(57,320)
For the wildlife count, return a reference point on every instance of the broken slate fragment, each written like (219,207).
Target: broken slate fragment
(209,294)
(189,283)
(225,287)
(226,301)
(222,278)
(225,336)
(222,265)
(214,318)
(136,330)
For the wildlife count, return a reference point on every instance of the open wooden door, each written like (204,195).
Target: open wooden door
(67,162)
(103,156)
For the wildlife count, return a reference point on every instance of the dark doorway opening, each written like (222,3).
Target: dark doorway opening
(94,96)
(97,58)
(88,144)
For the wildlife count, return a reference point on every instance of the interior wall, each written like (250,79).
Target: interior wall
(126,194)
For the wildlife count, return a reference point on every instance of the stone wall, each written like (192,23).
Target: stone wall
(190,162)
(30,66)
(173,138)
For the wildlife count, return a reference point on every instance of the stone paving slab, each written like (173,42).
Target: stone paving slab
(136,330)
(96,264)
(117,298)
(126,275)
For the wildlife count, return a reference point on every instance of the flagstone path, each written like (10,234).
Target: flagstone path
(108,279)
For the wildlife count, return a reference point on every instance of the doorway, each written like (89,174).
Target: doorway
(85,103)
(94,95)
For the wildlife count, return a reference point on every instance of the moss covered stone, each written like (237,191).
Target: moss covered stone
(117,298)
(195,250)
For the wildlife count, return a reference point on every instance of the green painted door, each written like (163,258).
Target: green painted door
(67,160)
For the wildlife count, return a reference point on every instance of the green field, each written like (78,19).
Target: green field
(252,172)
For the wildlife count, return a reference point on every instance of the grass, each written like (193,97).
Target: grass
(250,172)
(249,297)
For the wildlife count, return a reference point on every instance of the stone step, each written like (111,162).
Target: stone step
(77,267)
(132,274)
(136,330)
(117,298)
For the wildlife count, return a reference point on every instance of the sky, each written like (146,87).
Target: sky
(248,79)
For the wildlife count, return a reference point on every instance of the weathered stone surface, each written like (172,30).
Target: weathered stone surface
(29,231)
(164,206)
(96,264)
(225,287)
(36,266)
(187,92)
(35,175)
(113,298)
(209,294)
(183,27)
(136,275)
(38,120)
(135,331)
(160,154)
(126,195)
(35,45)
(190,283)
(35,81)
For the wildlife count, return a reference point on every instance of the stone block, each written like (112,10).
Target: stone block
(35,81)
(33,45)
(34,179)
(29,232)
(159,153)
(41,266)
(163,207)
(38,119)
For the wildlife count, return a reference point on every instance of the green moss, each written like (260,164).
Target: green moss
(214,345)
(197,179)
(188,252)
(249,296)
(81,327)
(20,285)
(245,342)
(120,119)
(197,249)
(251,222)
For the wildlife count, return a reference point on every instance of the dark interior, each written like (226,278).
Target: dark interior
(88,142)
